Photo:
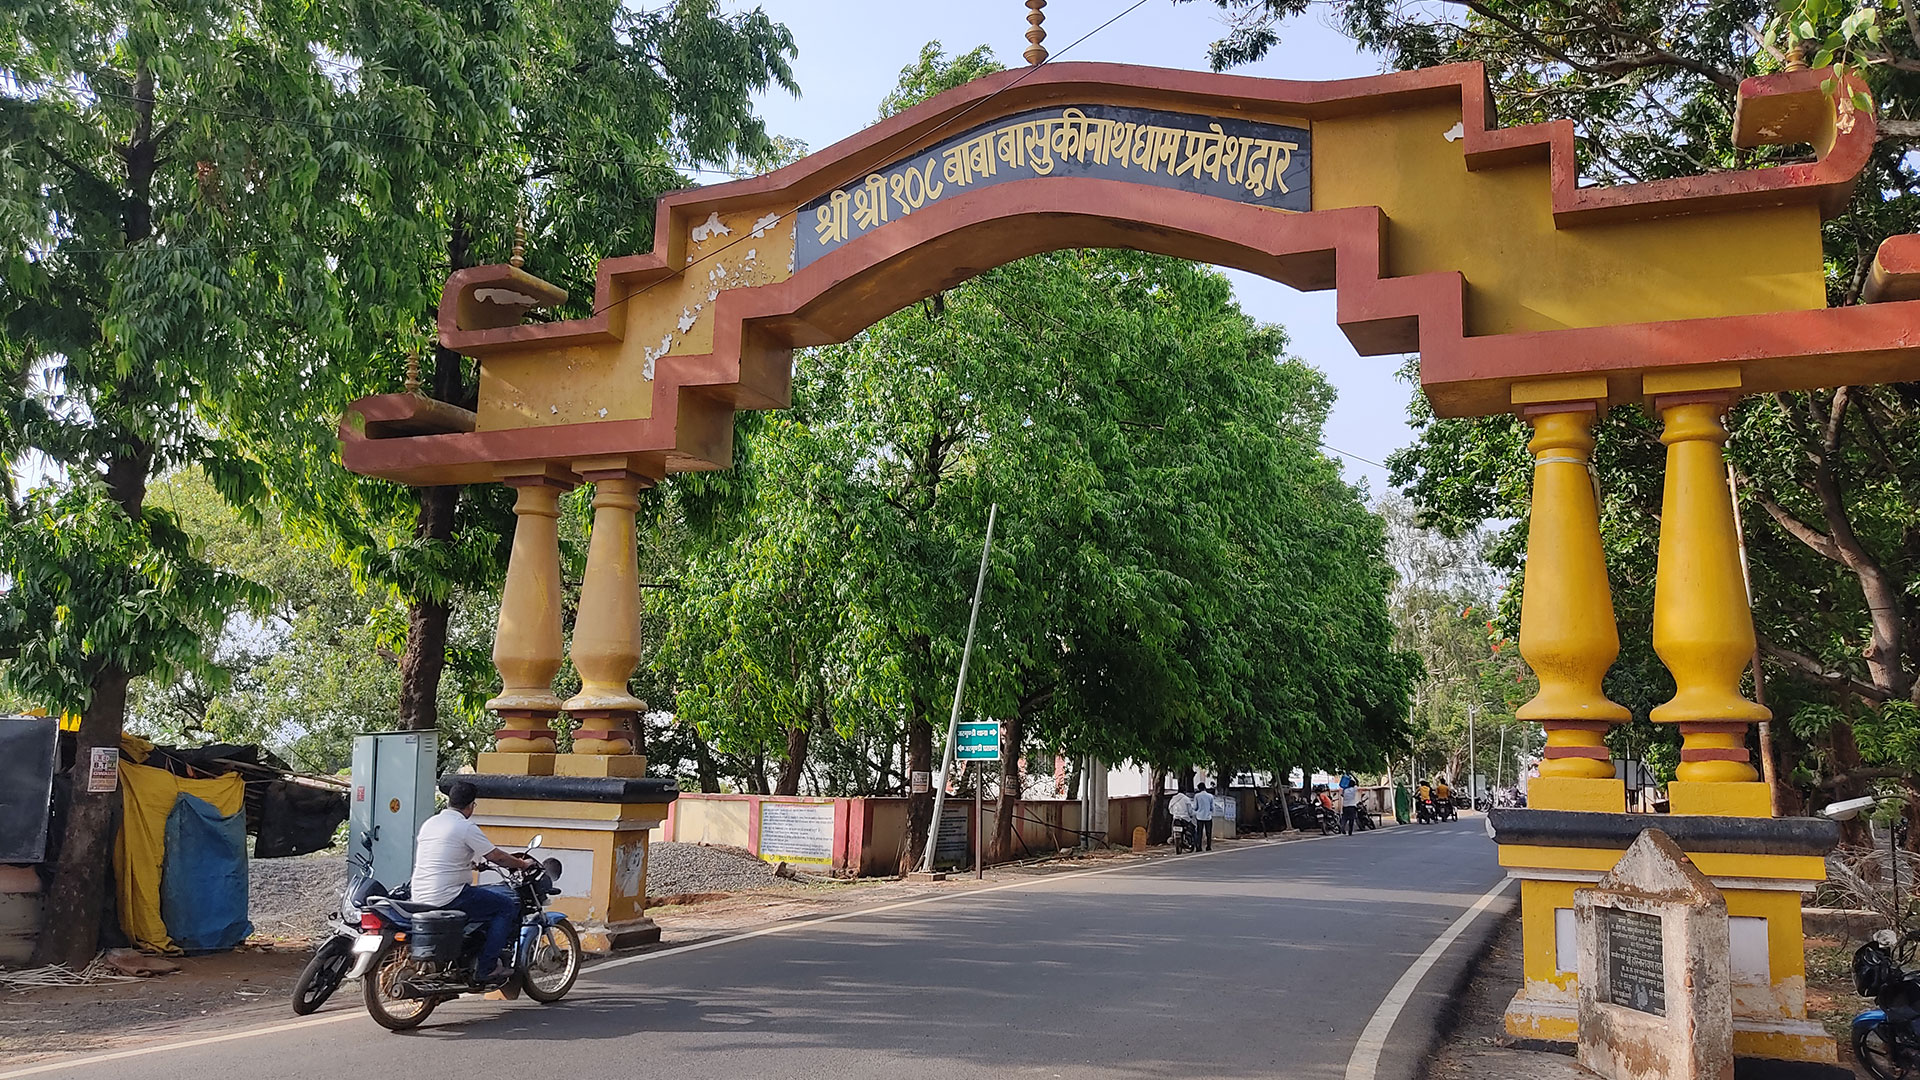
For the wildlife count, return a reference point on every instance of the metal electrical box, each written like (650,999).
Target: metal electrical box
(393,792)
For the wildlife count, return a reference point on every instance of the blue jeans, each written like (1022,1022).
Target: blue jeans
(497,905)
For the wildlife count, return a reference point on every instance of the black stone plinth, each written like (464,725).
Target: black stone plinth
(596,789)
(1693,832)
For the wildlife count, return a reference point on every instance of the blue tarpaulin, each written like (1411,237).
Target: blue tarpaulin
(203,881)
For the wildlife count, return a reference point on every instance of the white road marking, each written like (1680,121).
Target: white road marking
(777,928)
(1365,1061)
(122,1055)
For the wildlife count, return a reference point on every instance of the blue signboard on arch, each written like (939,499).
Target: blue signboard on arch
(1227,157)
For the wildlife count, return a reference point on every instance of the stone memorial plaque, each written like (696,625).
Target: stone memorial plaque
(1636,971)
(1654,998)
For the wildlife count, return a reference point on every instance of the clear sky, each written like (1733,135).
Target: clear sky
(851,53)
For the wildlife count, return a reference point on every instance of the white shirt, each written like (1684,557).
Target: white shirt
(1349,796)
(1203,806)
(443,856)
(1181,806)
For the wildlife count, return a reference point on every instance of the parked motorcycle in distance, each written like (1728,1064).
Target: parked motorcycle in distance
(1885,1042)
(411,957)
(334,956)
(1182,835)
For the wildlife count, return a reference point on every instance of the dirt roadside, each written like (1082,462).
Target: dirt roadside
(1475,1045)
(251,985)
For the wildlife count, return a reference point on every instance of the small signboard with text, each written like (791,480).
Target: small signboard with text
(977,741)
(797,832)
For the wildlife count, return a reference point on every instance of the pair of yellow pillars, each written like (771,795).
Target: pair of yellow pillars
(1703,633)
(606,632)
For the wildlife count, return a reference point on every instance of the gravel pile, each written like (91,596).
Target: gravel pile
(291,898)
(676,869)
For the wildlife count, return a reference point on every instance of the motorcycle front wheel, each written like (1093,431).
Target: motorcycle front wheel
(382,991)
(323,974)
(549,972)
(1877,1048)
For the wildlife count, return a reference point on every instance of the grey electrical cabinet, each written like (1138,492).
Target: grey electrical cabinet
(393,792)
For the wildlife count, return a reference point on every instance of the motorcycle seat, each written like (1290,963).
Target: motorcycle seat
(401,912)
(408,906)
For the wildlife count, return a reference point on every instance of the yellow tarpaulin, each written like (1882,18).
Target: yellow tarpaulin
(147,797)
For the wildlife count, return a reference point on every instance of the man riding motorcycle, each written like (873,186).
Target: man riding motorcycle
(443,860)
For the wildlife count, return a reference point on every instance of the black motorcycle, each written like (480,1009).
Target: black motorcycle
(334,957)
(411,957)
(1182,835)
(1886,1040)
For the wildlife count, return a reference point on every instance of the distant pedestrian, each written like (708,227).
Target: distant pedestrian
(1349,803)
(1203,817)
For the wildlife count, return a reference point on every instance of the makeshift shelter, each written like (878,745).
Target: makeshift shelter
(180,860)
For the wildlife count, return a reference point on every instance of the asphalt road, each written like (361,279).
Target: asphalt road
(1266,960)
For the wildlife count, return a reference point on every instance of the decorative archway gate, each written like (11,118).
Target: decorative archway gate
(1442,234)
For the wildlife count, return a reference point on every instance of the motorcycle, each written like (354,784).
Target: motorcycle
(411,957)
(1886,1040)
(331,961)
(1182,835)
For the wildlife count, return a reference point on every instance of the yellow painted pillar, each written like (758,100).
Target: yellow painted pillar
(526,643)
(1567,630)
(1702,626)
(606,633)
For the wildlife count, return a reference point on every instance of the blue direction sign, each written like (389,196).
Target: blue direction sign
(977,741)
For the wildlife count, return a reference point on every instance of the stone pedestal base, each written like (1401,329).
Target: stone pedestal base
(1577,793)
(504,764)
(598,939)
(624,766)
(596,826)
(1764,867)
(1720,800)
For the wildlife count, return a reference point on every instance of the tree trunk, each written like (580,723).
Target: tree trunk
(1010,790)
(1159,819)
(425,658)
(1845,756)
(919,806)
(76,899)
(796,761)
(704,766)
(1786,750)
(426,654)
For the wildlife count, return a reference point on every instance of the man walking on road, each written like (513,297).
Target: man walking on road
(1349,803)
(1203,817)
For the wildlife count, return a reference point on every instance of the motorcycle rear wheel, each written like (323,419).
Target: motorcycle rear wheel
(1877,1048)
(549,973)
(323,974)
(382,992)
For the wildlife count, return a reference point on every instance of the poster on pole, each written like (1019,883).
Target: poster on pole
(797,832)
(103,770)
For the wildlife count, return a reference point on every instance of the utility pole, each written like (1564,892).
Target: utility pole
(959,688)
(1471,799)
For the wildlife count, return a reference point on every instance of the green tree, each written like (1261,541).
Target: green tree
(154,255)
(574,117)
(224,222)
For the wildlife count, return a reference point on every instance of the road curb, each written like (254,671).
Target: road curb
(1479,942)
(1435,1011)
